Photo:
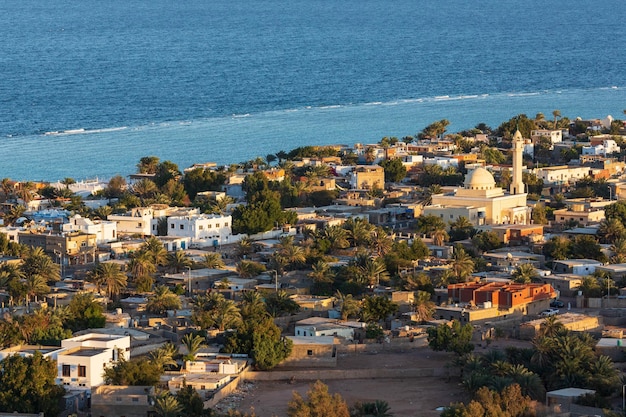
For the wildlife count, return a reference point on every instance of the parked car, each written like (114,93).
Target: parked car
(549,312)
(557,304)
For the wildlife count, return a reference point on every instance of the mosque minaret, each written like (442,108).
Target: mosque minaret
(481,201)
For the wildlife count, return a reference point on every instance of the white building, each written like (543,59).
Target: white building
(27,351)
(606,148)
(555,136)
(320,326)
(105,231)
(442,161)
(203,229)
(562,174)
(137,221)
(576,266)
(80,366)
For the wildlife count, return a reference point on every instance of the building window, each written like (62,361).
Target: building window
(66,370)
(309,352)
(201,227)
(225,224)
(172,226)
(217,225)
(139,224)
(182,227)
(135,400)
(82,371)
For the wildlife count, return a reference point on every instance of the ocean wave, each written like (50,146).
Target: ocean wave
(83,131)
(240,116)
(523,94)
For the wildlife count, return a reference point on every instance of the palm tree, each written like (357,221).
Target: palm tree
(6,185)
(226,315)
(551,327)
(167,406)
(162,300)
(178,261)
(439,237)
(144,189)
(157,251)
(462,264)
(36,262)
(292,254)
(321,272)
(373,271)
(378,408)
(556,114)
(102,212)
(524,274)
(26,191)
(109,276)
(619,249)
(243,247)
(337,237)
(349,306)
(424,307)
(193,343)
(14,213)
(142,268)
(35,286)
(219,206)
(357,231)
(380,243)
(611,230)
(164,356)
(213,260)
(246,269)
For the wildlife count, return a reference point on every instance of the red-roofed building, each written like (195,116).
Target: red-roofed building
(500,295)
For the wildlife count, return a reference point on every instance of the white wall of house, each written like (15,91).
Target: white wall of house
(105,231)
(71,363)
(201,227)
(102,341)
(312,331)
(137,221)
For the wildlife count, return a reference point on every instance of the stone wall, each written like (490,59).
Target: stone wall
(338,374)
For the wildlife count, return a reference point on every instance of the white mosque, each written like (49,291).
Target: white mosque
(481,201)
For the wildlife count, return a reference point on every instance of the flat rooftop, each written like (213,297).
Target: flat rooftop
(85,352)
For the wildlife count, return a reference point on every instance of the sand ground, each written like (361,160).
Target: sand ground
(406,397)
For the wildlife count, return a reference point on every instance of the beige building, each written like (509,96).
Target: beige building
(577,213)
(481,201)
(110,400)
(367,177)
(309,352)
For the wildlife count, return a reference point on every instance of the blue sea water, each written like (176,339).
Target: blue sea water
(226,81)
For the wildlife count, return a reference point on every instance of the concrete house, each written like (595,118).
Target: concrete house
(128,401)
(320,326)
(137,221)
(575,266)
(203,229)
(80,366)
(105,231)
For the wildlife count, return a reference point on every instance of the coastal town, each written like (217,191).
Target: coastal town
(446,274)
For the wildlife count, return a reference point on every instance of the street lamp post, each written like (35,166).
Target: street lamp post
(189,279)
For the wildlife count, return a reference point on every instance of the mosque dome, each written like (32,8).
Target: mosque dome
(479,179)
